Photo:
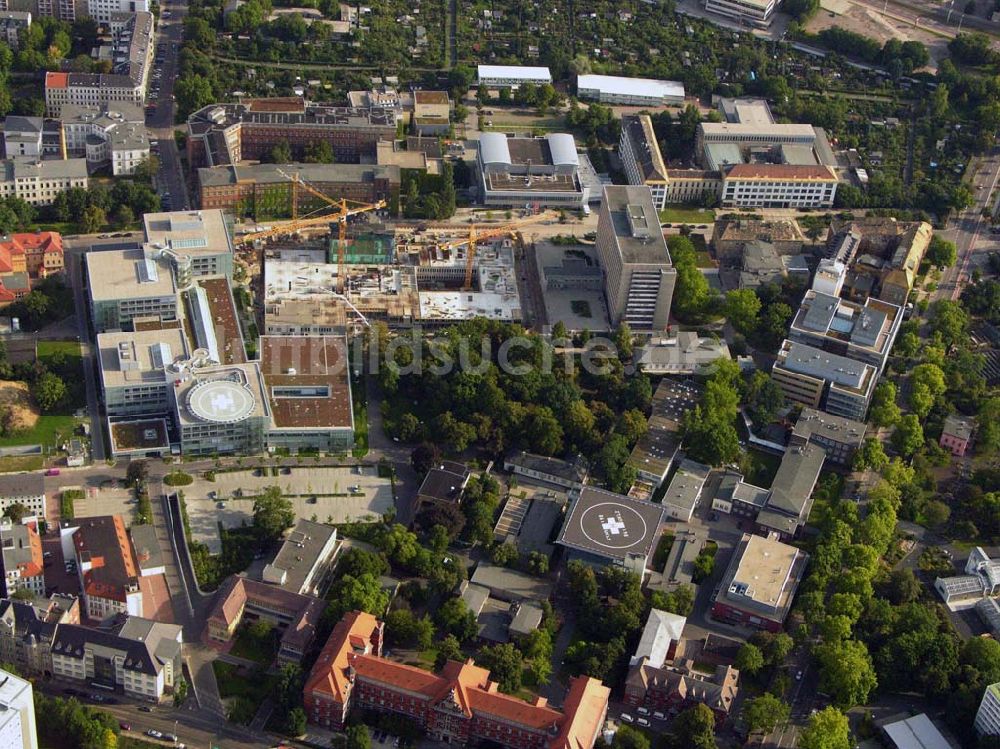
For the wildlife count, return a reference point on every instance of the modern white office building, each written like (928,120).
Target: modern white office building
(134,369)
(531,171)
(638,92)
(639,276)
(818,379)
(17,713)
(778,186)
(988,716)
(757,13)
(126,284)
(512,76)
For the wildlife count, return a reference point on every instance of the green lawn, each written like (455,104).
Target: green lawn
(66,360)
(49,430)
(47,349)
(235,681)
(686,214)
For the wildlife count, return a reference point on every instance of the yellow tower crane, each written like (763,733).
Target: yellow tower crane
(481,233)
(345,209)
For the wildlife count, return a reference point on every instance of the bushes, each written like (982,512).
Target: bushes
(178,478)
(66,502)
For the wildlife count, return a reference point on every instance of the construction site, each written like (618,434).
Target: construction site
(343,267)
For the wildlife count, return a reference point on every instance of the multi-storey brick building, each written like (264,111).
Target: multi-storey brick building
(224,134)
(268,191)
(458,705)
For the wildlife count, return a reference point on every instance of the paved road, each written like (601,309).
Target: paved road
(193,726)
(170,178)
(969,230)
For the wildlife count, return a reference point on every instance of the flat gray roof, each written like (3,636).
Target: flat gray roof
(139,357)
(146,547)
(685,487)
(815,362)
(189,232)
(829,426)
(510,585)
(791,490)
(638,237)
(128,274)
(301,551)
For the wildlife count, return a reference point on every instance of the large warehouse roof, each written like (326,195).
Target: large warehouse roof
(524,72)
(621,86)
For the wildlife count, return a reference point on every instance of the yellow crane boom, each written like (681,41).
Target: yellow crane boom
(345,209)
(481,233)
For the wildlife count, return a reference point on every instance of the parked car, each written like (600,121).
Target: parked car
(52,472)
(145,709)
(642,710)
(125,726)
(659,716)
(644,722)
(154,734)
(626,718)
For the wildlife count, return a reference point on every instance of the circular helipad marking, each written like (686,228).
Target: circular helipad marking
(612,526)
(220,401)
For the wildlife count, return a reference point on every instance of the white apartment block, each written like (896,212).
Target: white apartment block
(90,90)
(757,13)
(778,186)
(17,713)
(988,716)
(106,135)
(636,92)
(40,182)
(102,10)
(139,656)
(27,489)
(512,76)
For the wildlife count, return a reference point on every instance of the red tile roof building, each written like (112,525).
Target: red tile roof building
(27,256)
(459,705)
(108,569)
(295,615)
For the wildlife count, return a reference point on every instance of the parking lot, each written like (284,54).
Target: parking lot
(327,494)
(106,501)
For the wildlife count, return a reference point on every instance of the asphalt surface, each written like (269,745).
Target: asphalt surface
(969,230)
(171,183)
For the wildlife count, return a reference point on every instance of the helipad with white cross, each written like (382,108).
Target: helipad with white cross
(611,526)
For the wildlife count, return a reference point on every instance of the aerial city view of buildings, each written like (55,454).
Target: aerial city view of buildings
(536,376)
